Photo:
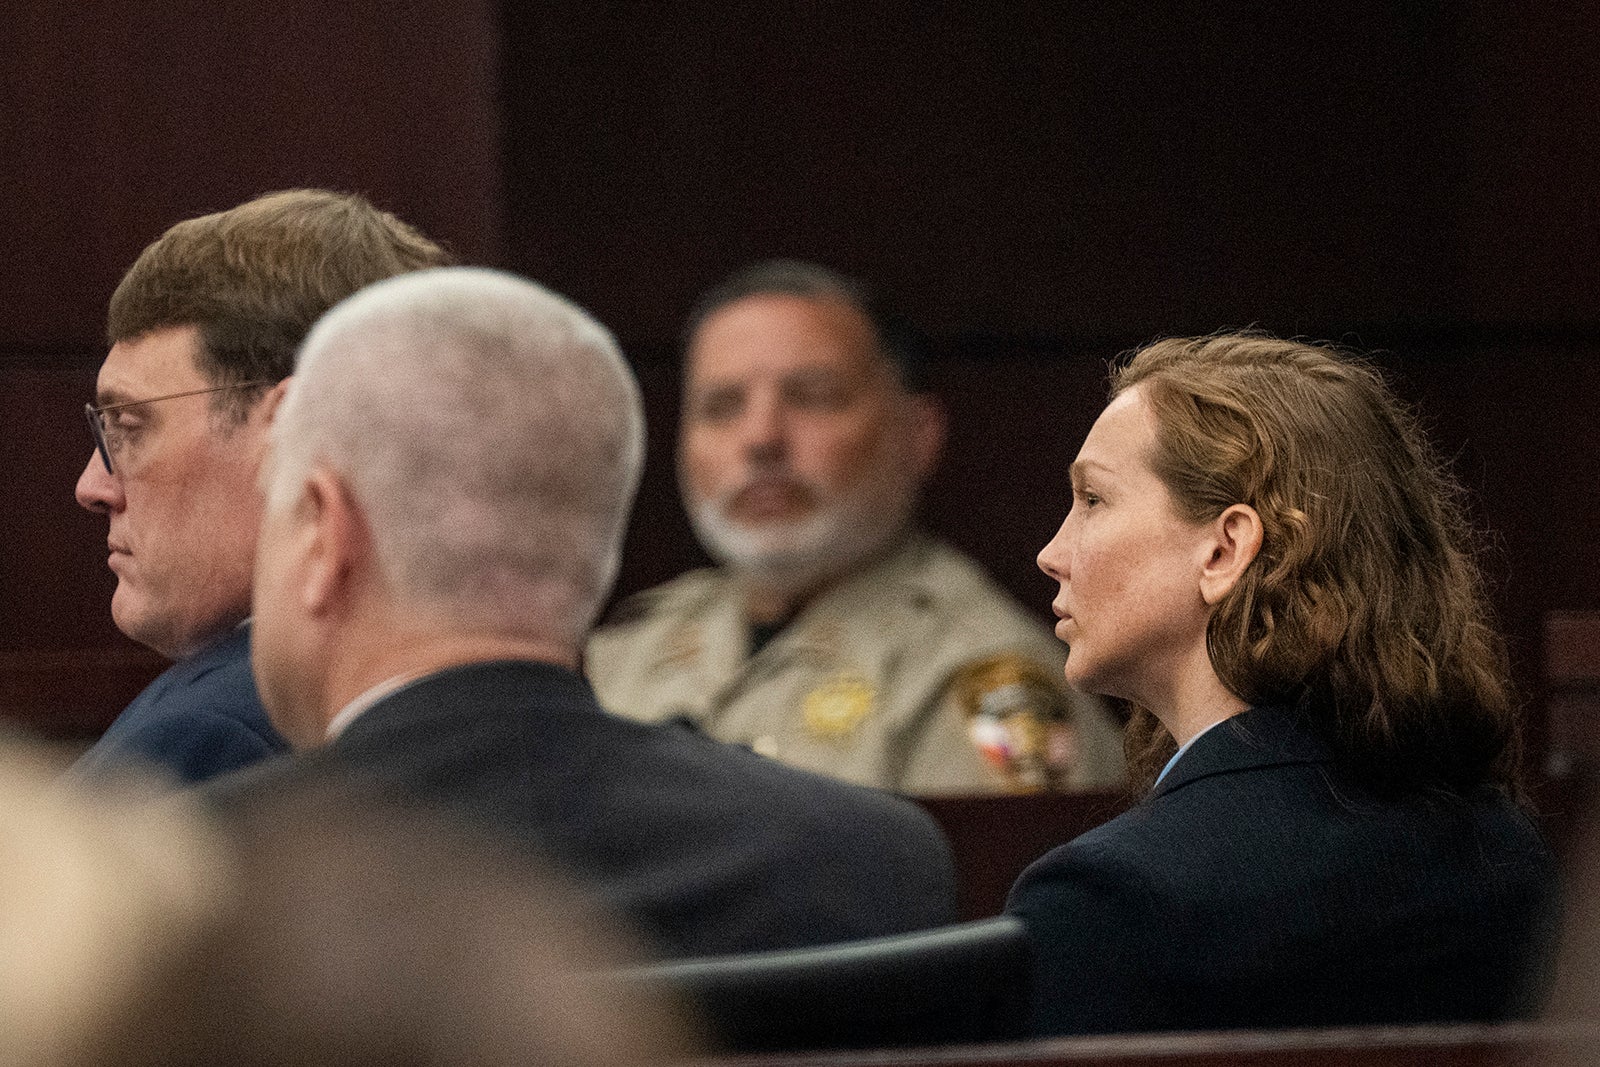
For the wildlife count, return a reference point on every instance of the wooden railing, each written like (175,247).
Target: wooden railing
(995,838)
(1508,1045)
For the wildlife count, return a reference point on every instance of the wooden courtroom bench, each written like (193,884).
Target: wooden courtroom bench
(1565,790)
(994,838)
(1508,1045)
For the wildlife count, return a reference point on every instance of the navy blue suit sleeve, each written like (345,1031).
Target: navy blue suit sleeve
(198,746)
(200,719)
(1095,931)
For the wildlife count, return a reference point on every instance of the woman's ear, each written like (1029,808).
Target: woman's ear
(1236,543)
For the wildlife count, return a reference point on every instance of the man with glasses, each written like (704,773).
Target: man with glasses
(203,332)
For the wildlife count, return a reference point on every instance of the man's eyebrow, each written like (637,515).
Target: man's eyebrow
(106,396)
(815,370)
(716,385)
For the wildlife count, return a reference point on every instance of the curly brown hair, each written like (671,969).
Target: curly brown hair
(1365,608)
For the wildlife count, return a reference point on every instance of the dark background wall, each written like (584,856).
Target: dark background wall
(118,119)
(1041,185)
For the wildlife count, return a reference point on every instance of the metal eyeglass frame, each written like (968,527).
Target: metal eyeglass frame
(96,416)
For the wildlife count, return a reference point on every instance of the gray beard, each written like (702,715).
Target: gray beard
(830,542)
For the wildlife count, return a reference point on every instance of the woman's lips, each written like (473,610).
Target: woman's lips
(1063,621)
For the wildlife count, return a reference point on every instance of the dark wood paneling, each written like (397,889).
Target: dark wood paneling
(1045,184)
(994,839)
(65,670)
(118,119)
(54,559)
(73,693)
(1079,171)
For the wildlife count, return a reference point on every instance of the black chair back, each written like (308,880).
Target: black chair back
(963,983)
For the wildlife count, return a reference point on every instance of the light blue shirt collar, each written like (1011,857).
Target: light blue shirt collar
(1176,756)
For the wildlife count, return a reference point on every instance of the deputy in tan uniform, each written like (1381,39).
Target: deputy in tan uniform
(834,635)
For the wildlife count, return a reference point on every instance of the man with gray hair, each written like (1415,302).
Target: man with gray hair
(449,479)
(203,330)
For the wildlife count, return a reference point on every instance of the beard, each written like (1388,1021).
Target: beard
(839,531)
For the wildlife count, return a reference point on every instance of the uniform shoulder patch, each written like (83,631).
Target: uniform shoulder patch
(1019,720)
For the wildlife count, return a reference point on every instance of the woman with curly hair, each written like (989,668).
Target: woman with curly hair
(1267,562)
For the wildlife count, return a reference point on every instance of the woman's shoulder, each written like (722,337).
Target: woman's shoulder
(1125,850)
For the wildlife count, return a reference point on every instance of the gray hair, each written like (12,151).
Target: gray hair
(492,434)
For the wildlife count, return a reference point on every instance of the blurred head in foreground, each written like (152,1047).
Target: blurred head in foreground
(99,897)
(336,929)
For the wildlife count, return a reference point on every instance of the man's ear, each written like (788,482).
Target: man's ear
(338,544)
(1234,545)
(259,423)
(267,408)
(929,425)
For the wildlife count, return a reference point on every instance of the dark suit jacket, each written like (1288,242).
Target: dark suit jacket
(1259,886)
(707,848)
(199,719)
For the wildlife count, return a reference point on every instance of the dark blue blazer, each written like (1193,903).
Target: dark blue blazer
(1260,886)
(199,719)
(707,848)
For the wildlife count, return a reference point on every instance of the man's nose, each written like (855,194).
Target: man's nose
(763,430)
(98,489)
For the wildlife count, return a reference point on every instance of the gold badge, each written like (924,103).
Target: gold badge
(834,709)
(1019,720)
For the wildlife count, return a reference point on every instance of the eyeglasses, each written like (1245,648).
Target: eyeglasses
(107,439)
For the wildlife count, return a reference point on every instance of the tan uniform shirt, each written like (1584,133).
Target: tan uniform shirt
(918,675)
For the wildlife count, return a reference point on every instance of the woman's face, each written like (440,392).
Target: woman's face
(1130,601)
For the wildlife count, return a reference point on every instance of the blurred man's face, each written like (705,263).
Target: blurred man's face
(182,505)
(800,451)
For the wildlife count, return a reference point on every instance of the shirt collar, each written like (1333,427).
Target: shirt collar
(1186,745)
(348,714)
